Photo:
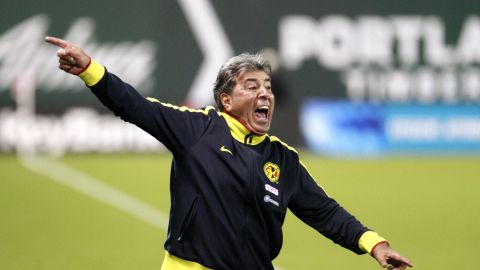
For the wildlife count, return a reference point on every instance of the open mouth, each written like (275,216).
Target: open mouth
(261,113)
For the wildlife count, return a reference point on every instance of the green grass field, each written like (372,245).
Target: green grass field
(427,207)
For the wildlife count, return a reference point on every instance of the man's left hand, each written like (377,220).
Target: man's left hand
(389,258)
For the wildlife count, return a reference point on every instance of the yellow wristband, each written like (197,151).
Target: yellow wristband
(369,240)
(93,74)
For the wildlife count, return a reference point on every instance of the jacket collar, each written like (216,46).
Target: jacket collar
(240,132)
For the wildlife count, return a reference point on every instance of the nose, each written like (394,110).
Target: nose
(264,92)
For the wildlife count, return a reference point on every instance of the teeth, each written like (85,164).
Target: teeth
(265,107)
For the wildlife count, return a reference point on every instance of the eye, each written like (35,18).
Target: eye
(251,86)
(268,86)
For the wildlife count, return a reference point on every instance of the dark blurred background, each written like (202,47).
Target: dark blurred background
(351,78)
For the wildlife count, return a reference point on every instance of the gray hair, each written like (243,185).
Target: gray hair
(226,78)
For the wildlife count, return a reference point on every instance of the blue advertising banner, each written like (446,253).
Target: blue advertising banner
(344,128)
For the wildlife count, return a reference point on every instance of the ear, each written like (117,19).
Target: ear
(226,101)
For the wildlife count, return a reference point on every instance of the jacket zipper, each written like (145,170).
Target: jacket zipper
(248,138)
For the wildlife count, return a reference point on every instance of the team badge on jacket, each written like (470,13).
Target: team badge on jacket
(272,171)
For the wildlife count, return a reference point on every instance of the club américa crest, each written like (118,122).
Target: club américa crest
(272,171)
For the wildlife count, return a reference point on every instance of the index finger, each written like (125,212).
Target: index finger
(399,260)
(57,41)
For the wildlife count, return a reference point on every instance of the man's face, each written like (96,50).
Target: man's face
(251,101)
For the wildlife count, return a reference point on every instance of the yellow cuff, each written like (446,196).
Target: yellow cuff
(93,74)
(369,240)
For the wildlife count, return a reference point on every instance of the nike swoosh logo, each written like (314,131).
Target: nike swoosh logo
(224,149)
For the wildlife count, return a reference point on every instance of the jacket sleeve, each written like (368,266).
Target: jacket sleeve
(313,206)
(178,128)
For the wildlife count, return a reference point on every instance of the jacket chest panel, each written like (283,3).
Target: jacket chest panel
(265,176)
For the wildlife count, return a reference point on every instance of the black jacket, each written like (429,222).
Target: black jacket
(230,189)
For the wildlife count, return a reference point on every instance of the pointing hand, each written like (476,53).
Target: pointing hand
(71,58)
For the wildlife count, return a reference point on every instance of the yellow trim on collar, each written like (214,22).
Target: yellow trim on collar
(369,240)
(171,262)
(93,74)
(239,131)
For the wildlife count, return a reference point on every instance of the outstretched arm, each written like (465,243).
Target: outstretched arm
(313,206)
(177,128)
(71,58)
